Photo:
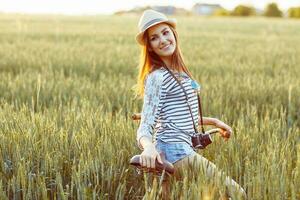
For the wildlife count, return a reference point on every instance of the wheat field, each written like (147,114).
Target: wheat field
(66,102)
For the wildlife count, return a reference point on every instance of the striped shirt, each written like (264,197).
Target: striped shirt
(165,113)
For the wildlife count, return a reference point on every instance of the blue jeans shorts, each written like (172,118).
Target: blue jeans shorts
(174,151)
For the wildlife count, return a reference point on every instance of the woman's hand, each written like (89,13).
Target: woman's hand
(149,156)
(226,130)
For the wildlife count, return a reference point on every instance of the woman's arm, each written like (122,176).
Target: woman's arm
(208,121)
(217,123)
(151,108)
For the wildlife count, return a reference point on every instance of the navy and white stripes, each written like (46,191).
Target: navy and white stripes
(165,112)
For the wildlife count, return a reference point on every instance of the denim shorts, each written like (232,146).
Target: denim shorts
(174,151)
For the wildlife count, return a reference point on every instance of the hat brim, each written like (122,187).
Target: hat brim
(139,36)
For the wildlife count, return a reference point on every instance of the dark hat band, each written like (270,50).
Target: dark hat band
(152,22)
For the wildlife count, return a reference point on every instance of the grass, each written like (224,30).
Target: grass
(66,102)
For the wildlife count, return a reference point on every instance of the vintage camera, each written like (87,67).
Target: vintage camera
(200,141)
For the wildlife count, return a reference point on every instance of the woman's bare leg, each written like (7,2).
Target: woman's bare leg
(210,170)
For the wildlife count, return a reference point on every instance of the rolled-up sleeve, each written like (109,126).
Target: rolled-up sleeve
(151,105)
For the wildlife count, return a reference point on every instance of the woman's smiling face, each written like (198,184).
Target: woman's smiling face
(162,40)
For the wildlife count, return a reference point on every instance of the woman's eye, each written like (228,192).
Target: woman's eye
(166,32)
(152,39)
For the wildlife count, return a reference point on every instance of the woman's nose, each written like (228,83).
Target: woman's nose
(163,40)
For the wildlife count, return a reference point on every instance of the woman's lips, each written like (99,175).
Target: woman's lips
(166,47)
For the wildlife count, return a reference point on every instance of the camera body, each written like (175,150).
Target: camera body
(200,141)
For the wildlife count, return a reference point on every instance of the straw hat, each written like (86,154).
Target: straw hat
(149,19)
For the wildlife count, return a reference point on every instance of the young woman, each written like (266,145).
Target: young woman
(166,113)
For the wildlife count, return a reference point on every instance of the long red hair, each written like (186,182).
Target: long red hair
(150,61)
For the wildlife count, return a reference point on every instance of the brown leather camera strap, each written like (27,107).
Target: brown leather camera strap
(189,106)
(200,112)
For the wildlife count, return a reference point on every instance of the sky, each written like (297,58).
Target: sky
(86,7)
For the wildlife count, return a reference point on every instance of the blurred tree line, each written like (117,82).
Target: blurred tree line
(271,10)
(294,12)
